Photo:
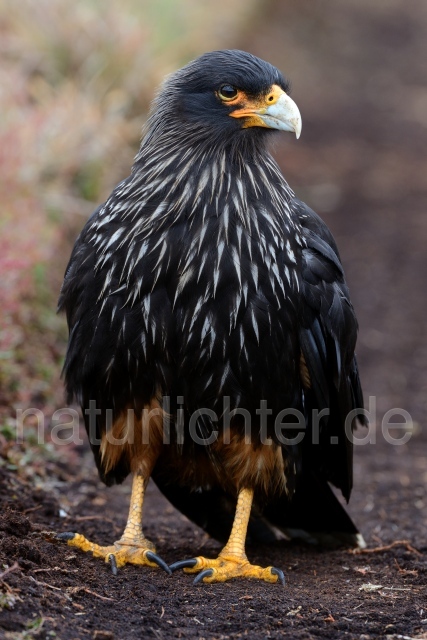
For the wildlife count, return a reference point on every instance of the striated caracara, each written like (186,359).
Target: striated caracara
(211,332)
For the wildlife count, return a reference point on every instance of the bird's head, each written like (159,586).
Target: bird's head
(225,96)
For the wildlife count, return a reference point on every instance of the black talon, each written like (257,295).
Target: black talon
(280,574)
(153,557)
(183,563)
(113,564)
(67,535)
(203,574)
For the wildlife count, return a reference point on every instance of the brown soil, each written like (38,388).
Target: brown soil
(359,75)
(78,597)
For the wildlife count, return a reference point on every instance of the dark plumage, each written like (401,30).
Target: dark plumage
(201,278)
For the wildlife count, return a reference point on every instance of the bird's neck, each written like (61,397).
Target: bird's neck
(192,178)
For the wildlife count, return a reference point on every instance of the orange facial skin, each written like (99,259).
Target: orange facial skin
(252,108)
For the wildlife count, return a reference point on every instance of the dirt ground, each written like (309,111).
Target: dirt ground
(359,77)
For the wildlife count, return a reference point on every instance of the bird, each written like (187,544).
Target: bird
(211,334)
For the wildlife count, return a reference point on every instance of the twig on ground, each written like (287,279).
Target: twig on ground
(412,572)
(39,506)
(10,590)
(50,586)
(387,547)
(55,569)
(74,590)
(9,570)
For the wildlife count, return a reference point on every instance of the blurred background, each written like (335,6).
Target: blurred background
(76,80)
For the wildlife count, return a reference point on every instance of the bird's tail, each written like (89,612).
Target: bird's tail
(313,515)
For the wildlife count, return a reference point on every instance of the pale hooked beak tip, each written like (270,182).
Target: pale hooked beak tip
(284,115)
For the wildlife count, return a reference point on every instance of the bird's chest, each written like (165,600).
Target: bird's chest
(234,306)
(204,288)
(234,276)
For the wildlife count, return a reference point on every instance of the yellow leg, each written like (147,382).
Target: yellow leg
(236,542)
(133,547)
(232,562)
(132,535)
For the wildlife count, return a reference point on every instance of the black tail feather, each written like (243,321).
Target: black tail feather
(313,514)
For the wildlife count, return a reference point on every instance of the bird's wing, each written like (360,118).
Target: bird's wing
(328,331)
(113,357)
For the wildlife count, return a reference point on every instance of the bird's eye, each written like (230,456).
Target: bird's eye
(227,92)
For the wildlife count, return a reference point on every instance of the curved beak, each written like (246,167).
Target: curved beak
(276,110)
(283,115)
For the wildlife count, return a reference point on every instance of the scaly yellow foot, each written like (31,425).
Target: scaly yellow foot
(137,550)
(226,567)
(232,561)
(133,547)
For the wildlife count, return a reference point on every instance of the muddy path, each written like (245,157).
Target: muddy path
(359,76)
